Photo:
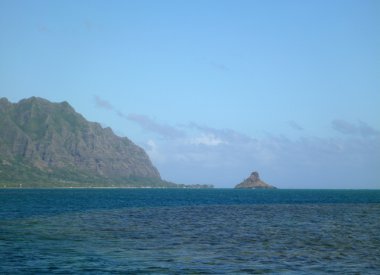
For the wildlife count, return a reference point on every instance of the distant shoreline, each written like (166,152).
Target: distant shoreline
(107,187)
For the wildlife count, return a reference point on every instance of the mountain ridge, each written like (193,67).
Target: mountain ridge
(46,144)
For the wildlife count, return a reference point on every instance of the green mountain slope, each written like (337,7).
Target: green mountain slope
(44,144)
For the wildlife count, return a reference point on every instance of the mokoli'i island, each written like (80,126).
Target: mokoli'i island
(45,144)
(254,182)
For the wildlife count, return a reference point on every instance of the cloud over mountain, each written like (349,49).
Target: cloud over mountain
(143,121)
(151,125)
(102,103)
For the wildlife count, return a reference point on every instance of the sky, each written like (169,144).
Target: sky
(212,90)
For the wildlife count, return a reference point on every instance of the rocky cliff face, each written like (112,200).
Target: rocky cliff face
(43,142)
(254,182)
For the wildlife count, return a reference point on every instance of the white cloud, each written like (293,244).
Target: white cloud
(207,139)
(152,149)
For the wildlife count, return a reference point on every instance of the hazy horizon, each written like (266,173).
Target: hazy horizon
(212,90)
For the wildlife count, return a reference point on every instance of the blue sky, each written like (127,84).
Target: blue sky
(212,90)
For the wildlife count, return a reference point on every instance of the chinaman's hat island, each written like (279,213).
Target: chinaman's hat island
(254,182)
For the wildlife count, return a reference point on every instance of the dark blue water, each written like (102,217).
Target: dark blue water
(174,231)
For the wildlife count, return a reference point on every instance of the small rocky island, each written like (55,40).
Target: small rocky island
(254,182)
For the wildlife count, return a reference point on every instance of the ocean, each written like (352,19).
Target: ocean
(186,231)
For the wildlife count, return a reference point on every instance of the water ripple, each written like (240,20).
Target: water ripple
(209,239)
